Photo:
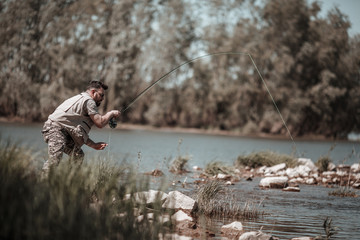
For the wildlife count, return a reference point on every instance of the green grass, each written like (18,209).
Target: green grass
(343,192)
(84,202)
(213,201)
(215,168)
(179,165)
(322,163)
(265,158)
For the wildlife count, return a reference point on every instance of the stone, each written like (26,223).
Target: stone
(341,173)
(274,182)
(275,169)
(310,181)
(234,228)
(261,170)
(328,174)
(223,176)
(178,200)
(303,170)
(255,236)
(355,168)
(309,163)
(331,167)
(148,197)
(292,173)
(180,216)
(291,189)
(196,168)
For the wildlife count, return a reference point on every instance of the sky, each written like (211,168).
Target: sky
(351,8)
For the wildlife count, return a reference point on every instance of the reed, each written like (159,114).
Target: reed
(329,230)
(265,158)
(323,163)
(179,165)
(215,168)
(86,202)
(214,201)
(344,191)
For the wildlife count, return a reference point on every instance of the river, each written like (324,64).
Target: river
(290,214)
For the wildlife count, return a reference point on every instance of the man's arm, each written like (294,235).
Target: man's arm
(101,120)
(97,146)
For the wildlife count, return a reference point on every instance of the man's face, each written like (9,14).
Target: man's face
(98,96)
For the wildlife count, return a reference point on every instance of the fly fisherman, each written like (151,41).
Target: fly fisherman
(68,127)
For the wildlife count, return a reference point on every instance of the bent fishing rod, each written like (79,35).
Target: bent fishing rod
(113,123)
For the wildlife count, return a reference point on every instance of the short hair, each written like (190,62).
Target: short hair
(96,85)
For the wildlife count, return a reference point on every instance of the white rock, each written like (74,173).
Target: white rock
(196,168)
(177,200)
(234,225)
(261,169)
(300,180)
(255,236)
(234,228)
(148,196)
(355,168)
(328,173)
(221,176)
(341,173)
(276,168)
(303,170)
(273,182)
(307,162)
(331,167)
(181,216)
(293,180)
(292,173)
(291,189)
(310,181)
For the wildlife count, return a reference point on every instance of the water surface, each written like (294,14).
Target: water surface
(290,214)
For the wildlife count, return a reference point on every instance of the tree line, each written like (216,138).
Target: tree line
(49,50)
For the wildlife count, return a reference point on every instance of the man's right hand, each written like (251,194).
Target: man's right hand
(115,113)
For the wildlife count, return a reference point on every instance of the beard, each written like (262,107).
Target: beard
(98,103)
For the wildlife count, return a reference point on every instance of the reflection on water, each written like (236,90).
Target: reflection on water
(290,214)
(299,214)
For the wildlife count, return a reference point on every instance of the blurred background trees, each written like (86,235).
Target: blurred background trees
(49,50)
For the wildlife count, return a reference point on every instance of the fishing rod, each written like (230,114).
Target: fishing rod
(113,123)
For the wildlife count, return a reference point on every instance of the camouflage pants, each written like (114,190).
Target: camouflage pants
(59,141)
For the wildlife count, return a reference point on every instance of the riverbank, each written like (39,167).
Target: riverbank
(213,132)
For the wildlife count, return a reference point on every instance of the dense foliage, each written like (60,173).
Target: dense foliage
(86,202)
(49,50)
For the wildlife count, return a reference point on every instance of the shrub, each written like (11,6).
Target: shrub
(215,168)
(323,163)
(74,202)
(213,201)
(265,158)
(179,164)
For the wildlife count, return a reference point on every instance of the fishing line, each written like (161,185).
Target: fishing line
(113,123)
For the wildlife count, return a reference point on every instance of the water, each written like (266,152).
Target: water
(291,214)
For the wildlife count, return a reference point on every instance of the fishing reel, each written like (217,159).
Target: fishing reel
(112,123)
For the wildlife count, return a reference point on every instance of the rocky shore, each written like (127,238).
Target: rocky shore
(279,177)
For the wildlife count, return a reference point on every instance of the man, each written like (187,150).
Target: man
(68,127)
